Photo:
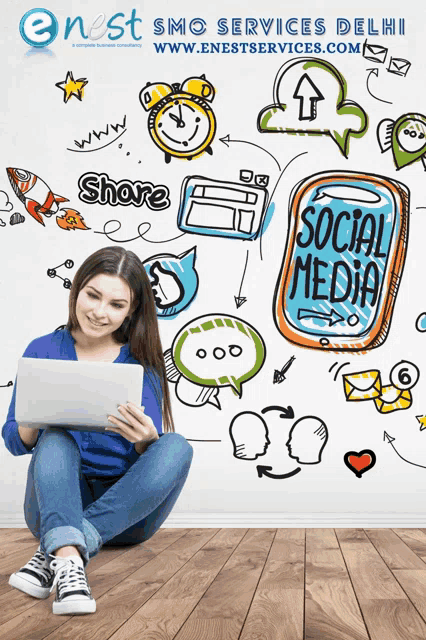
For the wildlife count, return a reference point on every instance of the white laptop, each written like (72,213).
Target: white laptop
(78,394)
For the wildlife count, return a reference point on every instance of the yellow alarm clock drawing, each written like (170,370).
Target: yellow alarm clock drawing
(181,122)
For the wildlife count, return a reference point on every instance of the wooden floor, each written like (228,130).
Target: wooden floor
(235,584)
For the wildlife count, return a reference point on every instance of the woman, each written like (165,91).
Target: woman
(87,489)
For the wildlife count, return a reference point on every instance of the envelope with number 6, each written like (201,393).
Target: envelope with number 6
(364,385)
(393,399)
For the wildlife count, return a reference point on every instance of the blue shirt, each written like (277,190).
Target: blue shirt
(102,454)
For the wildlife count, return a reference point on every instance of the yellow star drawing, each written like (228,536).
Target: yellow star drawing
(422,421)
(72,87)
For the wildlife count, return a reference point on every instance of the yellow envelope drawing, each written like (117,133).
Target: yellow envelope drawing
(364,385)
(399,66)
(393,399)
(374,52)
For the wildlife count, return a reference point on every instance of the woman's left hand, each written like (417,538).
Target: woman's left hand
(136,426)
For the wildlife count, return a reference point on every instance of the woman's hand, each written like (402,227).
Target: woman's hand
(136,426)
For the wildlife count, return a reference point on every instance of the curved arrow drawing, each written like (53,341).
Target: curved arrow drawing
(390,441)
(226,140)
(272,195)
(286,412)
(375,72)
(263,471)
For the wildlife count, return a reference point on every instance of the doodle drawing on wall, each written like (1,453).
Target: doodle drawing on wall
(360,461)
(343,261)
(406,136)
(211,352)
(181,122)
(104,138)
(310,98)
(396,396)
(225,209)
(174,281)
(34,193)
(72,87)
(249,435)
(51,272)
(307,439)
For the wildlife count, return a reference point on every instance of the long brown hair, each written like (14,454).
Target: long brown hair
(140,330)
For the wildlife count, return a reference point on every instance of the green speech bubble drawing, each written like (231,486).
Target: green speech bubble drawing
(309,98)
(219,350)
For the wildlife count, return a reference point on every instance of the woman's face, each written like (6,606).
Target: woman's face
(102,305)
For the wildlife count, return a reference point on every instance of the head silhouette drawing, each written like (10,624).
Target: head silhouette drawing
(249,435)
(307,439)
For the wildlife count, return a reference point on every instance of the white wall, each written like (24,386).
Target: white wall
(37,130)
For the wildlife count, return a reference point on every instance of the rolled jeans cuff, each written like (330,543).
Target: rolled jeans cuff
(93,539)
(88,543)
(62,537)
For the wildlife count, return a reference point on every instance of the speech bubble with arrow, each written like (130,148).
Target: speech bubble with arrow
(310,98)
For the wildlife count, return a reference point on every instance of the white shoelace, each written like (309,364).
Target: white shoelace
(39,565)
(72,576)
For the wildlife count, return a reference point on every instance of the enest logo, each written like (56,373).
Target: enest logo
(39,27)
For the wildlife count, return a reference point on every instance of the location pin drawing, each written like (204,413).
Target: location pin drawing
(406,136)
(408,139)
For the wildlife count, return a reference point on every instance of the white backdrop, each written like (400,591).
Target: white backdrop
(38,128)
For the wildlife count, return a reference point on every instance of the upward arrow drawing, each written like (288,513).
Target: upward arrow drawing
(308,94)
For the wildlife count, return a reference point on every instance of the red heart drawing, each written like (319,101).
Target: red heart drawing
(360,462)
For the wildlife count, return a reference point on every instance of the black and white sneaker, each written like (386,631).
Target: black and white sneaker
(73,594)
(35,578)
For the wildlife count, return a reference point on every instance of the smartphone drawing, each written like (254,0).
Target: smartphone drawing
(343,261)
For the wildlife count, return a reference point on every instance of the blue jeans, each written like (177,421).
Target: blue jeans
(65,507)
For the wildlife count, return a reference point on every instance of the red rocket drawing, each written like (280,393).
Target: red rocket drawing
(34,193)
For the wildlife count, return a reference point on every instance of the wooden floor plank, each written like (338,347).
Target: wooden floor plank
(38,621)
(415,539)
(331,608)
(235,584)
(322,538)
(414,584)
(14,535)
(10,532)
(221,602)
(276,612)
(115,605)
(371,578)
(17,546)
(387,612)
(19,558)
(393,550)
(13,561)
(393,620)
(13,602)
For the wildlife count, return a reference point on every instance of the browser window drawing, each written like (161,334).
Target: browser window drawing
(343,261)
(225,209)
